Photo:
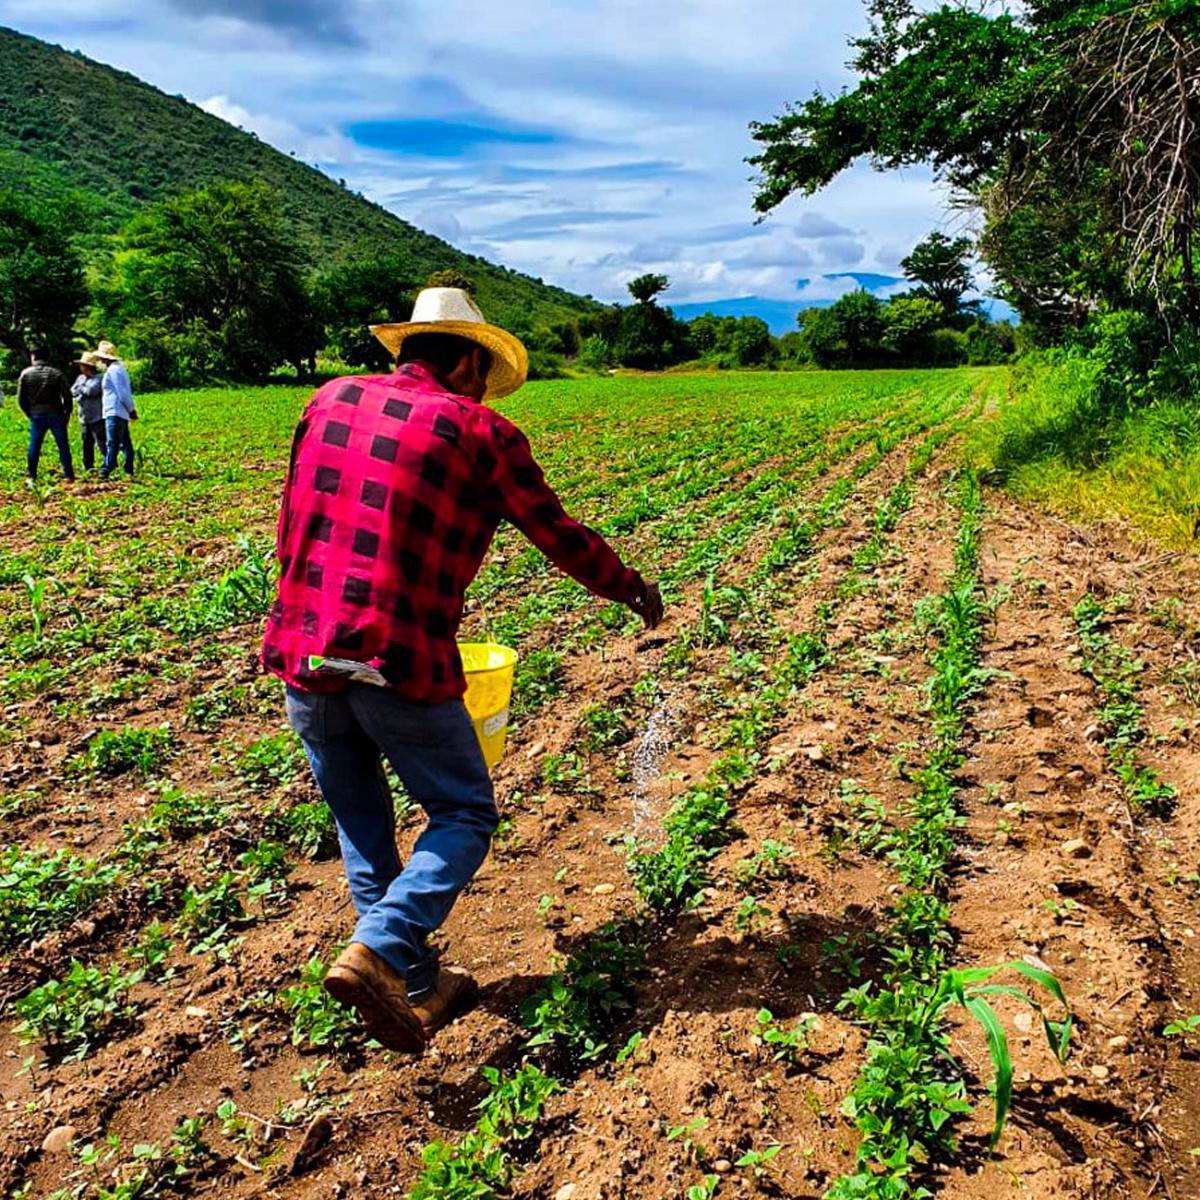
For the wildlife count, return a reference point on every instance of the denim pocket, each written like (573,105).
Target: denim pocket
(307,715)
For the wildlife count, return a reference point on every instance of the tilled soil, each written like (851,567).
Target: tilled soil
(1053,868)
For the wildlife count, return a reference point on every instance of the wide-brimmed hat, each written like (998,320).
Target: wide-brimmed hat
(452,310)
(86,359)
(106,351)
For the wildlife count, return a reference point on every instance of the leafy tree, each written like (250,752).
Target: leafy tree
(595,353)
(1069,124)
(41,276)
(366,291)
(604,323)
(847,334)
(793,348)
(711,335)
(939,267)
(909,325)
(646,287)
(990,342)
(752,343)
(451,277)
(215,272)
(651,338)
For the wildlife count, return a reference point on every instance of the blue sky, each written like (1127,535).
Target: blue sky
(585,141)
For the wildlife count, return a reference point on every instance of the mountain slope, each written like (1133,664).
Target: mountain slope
(68,123)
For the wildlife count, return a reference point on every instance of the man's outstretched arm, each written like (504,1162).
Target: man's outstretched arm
(533,506)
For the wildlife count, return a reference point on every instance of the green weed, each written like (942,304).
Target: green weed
(307,825)
(785,1044)
(74,1014)
(271,761)
(118,751)
(43,890)
(317,1018)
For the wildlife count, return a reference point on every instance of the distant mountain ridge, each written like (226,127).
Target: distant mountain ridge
(780,315)
(68,124)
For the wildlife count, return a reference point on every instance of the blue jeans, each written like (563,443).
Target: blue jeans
(54,424)
(434,751)
(117,433)
(95,437)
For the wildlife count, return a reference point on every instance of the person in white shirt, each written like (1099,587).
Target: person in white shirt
(118,409)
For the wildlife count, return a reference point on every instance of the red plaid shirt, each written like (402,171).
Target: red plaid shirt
(394,492)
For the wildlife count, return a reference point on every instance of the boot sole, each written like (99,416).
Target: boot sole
(348,987)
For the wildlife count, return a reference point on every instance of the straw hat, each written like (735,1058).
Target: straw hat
(86,359)
(106,351)
(451,310)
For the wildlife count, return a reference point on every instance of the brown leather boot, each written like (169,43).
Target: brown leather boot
(361,980)
(456,992)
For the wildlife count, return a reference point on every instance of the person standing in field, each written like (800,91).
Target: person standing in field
(118,409)
(394,491)
(45,398)
(88,392)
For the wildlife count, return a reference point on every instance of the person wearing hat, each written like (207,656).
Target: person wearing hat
(118,410)
(395,488)
(87,390)
(45,398)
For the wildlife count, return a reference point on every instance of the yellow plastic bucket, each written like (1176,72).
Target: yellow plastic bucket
(489,672)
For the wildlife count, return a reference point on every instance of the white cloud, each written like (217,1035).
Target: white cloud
(651,99)
(330,148)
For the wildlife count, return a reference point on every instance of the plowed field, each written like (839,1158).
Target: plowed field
(895,727)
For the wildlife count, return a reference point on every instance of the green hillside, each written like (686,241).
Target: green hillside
(70,124)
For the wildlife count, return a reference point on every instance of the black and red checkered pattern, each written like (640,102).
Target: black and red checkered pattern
(394,492)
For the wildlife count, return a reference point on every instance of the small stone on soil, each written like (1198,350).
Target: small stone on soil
(1076,848)
(565,1192)
(604,889)
(58,1139)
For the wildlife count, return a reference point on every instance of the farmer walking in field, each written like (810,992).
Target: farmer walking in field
(45,398)
(118,409)
(394,491)
(88,391)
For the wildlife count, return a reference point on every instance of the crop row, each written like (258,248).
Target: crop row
(911,1091)
(1115,672)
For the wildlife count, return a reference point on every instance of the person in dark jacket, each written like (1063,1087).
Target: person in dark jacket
(88,392)
(45,398)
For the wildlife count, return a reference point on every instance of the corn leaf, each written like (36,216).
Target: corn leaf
(1001,1059)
